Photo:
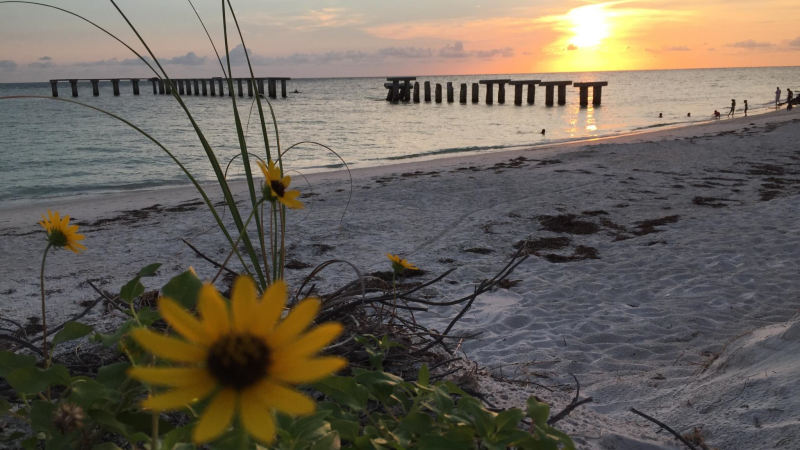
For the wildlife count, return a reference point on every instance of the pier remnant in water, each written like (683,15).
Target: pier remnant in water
(95,87)
(562,91)
(427,91)
(450,94)
(518,85)
(475,92)
(438,93)
(396,87)
(115,84)
(597,92)
(463,95)
(490,90)
(416,92)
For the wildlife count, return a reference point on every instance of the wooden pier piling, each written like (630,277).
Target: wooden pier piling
(95,87)
(462,98)
(161,87)
(260,86)
(427,91)
(450,94)
(239,90)
(135,83)
(221,87)
(212,87)
(115,84)
(181,89)
(272,88)
(597,92)
(396,88)
(475,92)
(188,86)
(438,93)
(549,91)
(416,92)
(74,85)
(249,87)
(501,94)
(54,87)
(283,87)
(168,87)
(196,86)
(155,87)
(205,88)
(519,84)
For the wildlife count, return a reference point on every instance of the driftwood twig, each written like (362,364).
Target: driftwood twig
(673,432)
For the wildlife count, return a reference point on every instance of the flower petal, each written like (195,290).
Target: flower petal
(285,399)
(216,418)
(213,310)
(182,321)
(243,302)
(307,370)
(171,376)
(310,343)
(286,181)
(290,203)
(295,323)
(257,419)
(270,309)
(180,397)
(167,347)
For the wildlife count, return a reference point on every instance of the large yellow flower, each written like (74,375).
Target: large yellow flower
(400,265)
(60,233)
(245,360)
(276,186)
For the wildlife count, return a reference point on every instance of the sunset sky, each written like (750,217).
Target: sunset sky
(325,38)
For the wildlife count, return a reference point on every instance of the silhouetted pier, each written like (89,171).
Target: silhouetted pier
(400,89)
(191,86)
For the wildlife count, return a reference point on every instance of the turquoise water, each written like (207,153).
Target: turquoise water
(54,149)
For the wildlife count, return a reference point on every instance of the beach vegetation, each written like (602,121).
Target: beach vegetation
(263,367)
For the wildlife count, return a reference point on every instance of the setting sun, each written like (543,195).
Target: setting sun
(589,24)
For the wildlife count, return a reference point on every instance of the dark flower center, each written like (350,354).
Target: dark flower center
(238,360)
(278,188)
(57,238)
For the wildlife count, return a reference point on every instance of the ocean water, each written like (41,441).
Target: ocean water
(54,149)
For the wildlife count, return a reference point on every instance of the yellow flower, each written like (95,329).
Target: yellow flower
(60,233)
(245,360)
(400,265)
(276,187)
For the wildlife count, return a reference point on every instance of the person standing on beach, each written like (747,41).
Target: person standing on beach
(777,98)
(789,95)
(733,107)
(745,108)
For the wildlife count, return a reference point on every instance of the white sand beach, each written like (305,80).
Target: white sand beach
(663,271)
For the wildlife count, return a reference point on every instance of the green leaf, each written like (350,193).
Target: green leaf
(508,419)
(437,442)
(71,331)
(111,340)
(4,406)
(330,441)
(174,437)
(538,412)
(131,290)
(148,316)
(149,270)
(30,380)
(86,392)
(106,446)
(183,289)
(376,377)
(113,375)
(12,437)
(42,417)
(348,430)
(31,443)
(107,420)
(345,391)
(12,361)
(424,375)
(143,422)
(417,423)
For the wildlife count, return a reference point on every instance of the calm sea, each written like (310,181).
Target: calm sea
(54,149)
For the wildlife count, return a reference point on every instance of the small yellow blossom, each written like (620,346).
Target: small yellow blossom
(276,187)
(60,233)
(243,358)
(400,265)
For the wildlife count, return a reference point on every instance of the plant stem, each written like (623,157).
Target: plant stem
(235,244)
(283,239)
(263,251)
(273,229)
(154,442)
(44,315)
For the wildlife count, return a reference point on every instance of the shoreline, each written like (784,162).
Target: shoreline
(188,191)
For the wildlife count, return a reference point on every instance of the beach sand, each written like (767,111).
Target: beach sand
(663,270)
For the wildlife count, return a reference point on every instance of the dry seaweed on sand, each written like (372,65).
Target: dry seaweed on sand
(567,223)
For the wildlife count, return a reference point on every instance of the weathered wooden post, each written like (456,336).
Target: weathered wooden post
(260,84)
(74,85)
(518,94)
(272,88)
(188,87)
(501,92)
(597,92)
(181,90)
(548,94)
(135,83)
(161,87)
(54,87)
(115,84)
(155,88)
(562,94)
(249,87)
(475,92)
(462,98)
(416,92)
(196,83)
(221,87)
(395,90)
(583,94)
(169,87)
(531,93)
(95,87)
(518,85)
(283,88)
(438,93)
(213,87)
(489,93)
(427,91)
(205,88)
(450,95)
(407,90)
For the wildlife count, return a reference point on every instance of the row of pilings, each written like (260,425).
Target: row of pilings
(194,86)
(400,89)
